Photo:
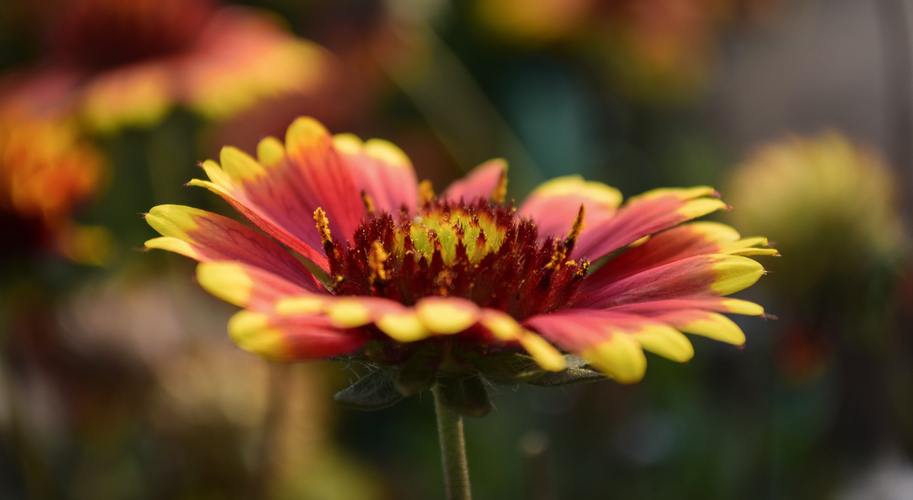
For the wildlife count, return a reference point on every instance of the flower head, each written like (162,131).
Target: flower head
(128,63)
(46,171)
(390,271)
(809,193)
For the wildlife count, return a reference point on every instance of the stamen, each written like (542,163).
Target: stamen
(425,192)
(572,236)
(558,255)
(583,267)
(329,246)
(368,203)
(323,226)
(500,191)
(376,260)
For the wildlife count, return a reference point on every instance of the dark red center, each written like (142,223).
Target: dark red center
(479,251)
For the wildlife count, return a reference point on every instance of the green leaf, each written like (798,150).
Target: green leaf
(578,371)
(508,367)
(374,391)
(419,371)
(515,368)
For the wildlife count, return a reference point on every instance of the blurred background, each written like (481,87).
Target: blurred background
(117,380)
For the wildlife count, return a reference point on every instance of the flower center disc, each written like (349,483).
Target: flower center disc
(477,250)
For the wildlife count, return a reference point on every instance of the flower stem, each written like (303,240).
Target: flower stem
(453,449)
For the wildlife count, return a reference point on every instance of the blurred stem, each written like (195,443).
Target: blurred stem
(277,386)
(898,80)
(453,449)
(33,467)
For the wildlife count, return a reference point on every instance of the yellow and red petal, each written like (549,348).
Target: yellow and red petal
(554,204)
(710,274)
(447,315)
(486,181)
(242,57)
(135,95)
(280,193)
(612,342)
(710,303)
(206,237)
(247,286)
(646,215)
(402,326)
(353,311)
(687,240)
(429,317)
(504,328)
(381,170)
(292,337)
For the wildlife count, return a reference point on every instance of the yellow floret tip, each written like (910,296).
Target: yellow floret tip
(172,244)
(701,207)
(619,357)
(387,152)
(575,185)
(444,317)
(689,193)
(239,165)
(305,304)
(744,307)
(543,353)
(734,273)
(270,152)
(665,341)
(226,280)
(348,313)
(403,326)
(715,231)
(349,144)
(717,327)
(304,133)
(215,174)
(251,332)
(174,220)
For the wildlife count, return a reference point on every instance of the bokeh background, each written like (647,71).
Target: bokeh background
(117,380)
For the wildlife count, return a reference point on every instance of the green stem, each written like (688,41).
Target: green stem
(453,449)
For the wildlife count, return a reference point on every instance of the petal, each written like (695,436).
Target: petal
(133,95)
(206,237)
(708,324)
(555,203)
(398,322)
(280,193)
(680,242)
(381,170)
(619,357)
(504,328)
(645,215)
(290,338)
(430,316)
(446,315)
(704,303)
(712,274)
(613,342)
(246,286)
(403,326)
(241,58)
(488,180)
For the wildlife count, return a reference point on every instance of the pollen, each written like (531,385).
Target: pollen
(368,202)
(477,250)
(376,261)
